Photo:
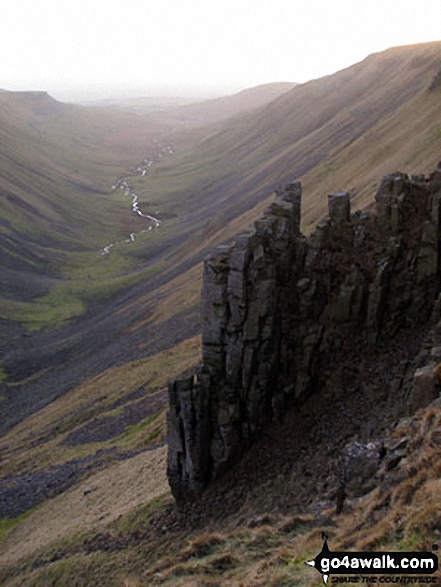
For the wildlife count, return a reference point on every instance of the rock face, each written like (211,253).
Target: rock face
(279,309)
(361,463)
(424,389)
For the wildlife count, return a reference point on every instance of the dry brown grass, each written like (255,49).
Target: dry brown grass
(202,545)
(406,510)
(407,140)
(261,551)
(110,494)
(178,295)
(250,549)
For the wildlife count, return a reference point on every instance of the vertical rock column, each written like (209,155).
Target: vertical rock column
(213,419)
(407,253)
(188,427)
(189,423)
(246,334)
(215,310)
(339,207)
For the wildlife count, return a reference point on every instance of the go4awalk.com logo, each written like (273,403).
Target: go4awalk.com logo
(408,567)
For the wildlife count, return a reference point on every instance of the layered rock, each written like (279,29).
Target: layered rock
(278,310)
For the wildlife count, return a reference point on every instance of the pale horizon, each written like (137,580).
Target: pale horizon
(101,50)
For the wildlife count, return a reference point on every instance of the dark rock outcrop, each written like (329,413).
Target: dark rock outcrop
(280,309)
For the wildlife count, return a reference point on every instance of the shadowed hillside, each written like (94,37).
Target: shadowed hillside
(58,212)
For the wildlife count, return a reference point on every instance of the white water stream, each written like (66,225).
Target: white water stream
(123,184)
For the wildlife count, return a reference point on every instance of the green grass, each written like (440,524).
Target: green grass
(75,571)
(50,311)
(88,278)
(135,429)
(411,542)
(85,276)
(146,433)
(255,151)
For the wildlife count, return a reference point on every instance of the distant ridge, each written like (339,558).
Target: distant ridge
(39,102)
(218,109)
(315,122)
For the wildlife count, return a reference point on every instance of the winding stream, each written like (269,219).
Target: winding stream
(123,184)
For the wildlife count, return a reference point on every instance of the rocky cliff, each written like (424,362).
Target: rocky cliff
(279,310)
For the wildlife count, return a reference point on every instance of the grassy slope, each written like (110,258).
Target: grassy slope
(340,132)
(73,278)
(191,190)
(45,430)
(316,131)
(39,442)
(57,165)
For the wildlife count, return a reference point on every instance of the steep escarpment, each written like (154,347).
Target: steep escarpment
(280,311)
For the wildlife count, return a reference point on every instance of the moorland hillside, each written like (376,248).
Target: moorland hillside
(84,496)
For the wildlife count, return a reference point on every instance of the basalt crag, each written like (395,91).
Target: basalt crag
(279,310)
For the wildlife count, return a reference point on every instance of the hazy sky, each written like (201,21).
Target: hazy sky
(159,46)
